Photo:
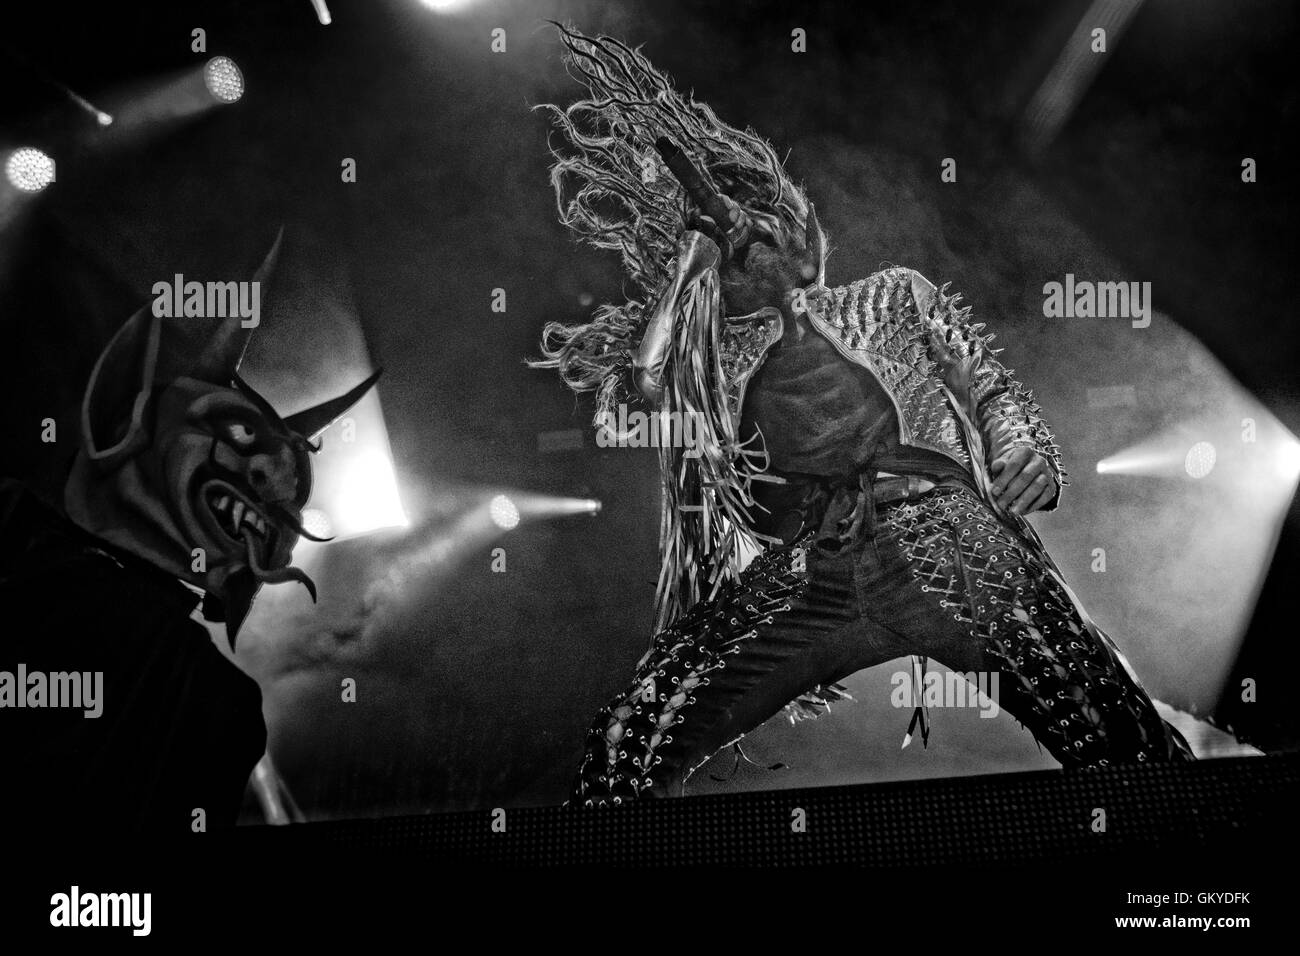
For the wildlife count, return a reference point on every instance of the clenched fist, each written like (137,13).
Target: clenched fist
(1023,480)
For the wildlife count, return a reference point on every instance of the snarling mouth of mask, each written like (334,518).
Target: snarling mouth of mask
(238,519)
(243,526)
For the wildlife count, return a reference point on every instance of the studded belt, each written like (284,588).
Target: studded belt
(854,501)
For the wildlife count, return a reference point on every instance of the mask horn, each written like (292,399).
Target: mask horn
(310,422)
(220,353)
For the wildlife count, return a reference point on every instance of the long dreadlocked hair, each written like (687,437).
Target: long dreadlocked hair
(613,191)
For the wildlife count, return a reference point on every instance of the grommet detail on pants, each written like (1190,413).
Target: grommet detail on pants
(1069,690)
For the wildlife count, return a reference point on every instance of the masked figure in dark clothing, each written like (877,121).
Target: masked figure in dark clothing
(184,476)
(864,442)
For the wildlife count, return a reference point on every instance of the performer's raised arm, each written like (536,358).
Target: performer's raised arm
(696,254)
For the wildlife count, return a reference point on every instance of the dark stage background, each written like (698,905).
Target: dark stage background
(475,687)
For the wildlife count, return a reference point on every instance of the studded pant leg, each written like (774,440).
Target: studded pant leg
(940,577)
(1066,683)
(790,626)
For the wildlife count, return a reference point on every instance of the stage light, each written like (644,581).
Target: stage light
(317,523)
(223,79)
(322,12)
(504,513)
(1286,461)
(530,505)
(443,5)
(368,500)
(1074,70)
(1200,459)
(1165,455)
(29,169)
(87,107)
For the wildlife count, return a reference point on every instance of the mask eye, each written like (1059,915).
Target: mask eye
(239,434)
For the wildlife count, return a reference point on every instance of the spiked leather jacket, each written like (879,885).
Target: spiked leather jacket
(950,394)
(935,365)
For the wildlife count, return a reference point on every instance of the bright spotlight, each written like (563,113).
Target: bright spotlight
(317,523)
(29,169)
(1287,459)
(504,513)
(1200,459)
(223,79)
(443,4)
(103,119)
(368,498)
(322,12)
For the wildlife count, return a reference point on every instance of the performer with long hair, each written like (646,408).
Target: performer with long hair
(862,467)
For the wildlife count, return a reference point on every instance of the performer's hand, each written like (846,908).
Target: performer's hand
(761,227)
(1023,480)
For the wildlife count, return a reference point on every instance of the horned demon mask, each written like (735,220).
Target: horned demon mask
(183,464)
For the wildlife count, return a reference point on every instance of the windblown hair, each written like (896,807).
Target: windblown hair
(613,191)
